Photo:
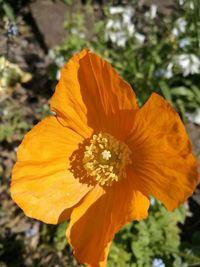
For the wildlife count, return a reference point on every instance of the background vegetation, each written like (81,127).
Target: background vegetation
(156,50)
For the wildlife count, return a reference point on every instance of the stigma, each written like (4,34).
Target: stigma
(106,154)
(105,159)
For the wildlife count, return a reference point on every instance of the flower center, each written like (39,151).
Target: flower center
(105,159)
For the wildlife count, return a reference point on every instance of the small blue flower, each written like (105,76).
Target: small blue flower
(12,30)
(158,263)
(160,73)
(30,232)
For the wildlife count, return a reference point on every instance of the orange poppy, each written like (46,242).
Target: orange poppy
(101,157)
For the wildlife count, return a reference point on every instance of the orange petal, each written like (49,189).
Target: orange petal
(163,164)
(91,93)
(101,214)
(42,184)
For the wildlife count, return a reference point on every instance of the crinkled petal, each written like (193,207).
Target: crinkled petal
(100,215)
(91,93)
(42,184)
(163,164)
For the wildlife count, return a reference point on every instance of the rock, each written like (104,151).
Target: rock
(194,134)
(49,18)
(164,7)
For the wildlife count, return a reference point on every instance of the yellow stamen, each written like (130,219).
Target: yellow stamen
(105,159)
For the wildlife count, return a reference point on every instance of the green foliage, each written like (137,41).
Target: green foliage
(11,8)
(59,241)
(68,2)
(139,243)
(6,9)
(13,125)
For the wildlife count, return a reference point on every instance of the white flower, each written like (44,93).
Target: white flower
(120,27)
(117,25)
(109,24)
(191,5)
(140,37)
(169,73)
(189,64)
(181,2)
(122,41)
(158,263)
(194,117)
(152,12)
(58,75)
(180,27)
(60,61)
(77,32)
(82,35)
(114,24)
(127,15)
(131,29)
(51,54)
(74,31)
(181,24)
(175,32)
(117,37)
(126,20)
(184,42)
(116,10)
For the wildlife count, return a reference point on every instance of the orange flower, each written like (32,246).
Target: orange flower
(98,160)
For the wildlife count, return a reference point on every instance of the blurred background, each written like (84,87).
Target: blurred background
(155,46)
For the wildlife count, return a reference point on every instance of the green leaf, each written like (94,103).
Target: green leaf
(9,11)
(165,91)
(68,2)
(182,91)
(196,91)
(181,107)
